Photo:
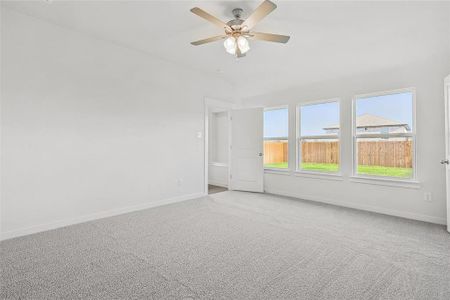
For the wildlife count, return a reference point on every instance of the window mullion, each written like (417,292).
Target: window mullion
(383,135)
(320,137)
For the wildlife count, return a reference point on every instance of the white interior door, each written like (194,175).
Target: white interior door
(247,169)
(446,160)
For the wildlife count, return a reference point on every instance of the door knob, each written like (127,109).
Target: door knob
(260,154)
(445,161)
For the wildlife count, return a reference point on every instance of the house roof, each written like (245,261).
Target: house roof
(368,120)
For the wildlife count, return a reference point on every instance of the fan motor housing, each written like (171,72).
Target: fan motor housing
(237,12)
(237,21)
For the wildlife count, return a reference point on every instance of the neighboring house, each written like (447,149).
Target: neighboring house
(373,124)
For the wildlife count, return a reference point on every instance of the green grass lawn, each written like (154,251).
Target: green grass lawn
(364,170)
(385,171)
(320,167)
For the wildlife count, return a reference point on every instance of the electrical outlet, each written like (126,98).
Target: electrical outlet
(427,196)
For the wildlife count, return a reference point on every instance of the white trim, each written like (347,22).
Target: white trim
(95,216)
(384,135)
(447,146)
(320,137)
(276,138)
(284,106)
(412,135)
(386,181)
(387,93)
(379,180)
(375,209)
(319,175)
(279,171)
(218,164)
(319,101)
(299,137)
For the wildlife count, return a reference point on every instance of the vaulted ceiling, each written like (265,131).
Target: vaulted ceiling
(328,39)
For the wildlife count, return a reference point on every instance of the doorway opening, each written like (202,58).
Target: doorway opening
(217,146)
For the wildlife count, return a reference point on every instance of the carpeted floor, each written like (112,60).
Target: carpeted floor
(213,189)
(232,245)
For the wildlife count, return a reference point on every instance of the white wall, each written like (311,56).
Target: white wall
(427,77)
(218,148)
(218,174)
(90,128)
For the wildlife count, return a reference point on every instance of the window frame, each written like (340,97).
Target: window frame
(269,108)
(299,137)
(412,135)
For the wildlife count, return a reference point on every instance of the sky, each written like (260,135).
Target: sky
(276,123)
(315,117)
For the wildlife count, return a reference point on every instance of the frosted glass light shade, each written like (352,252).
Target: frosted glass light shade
(230,45)
(243,44)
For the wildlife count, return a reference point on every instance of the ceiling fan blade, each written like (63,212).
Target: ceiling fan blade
(209,40)
(260,12)
(270,37)
(203,14)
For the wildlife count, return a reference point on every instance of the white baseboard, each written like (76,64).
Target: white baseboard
(385,211)
(95,216)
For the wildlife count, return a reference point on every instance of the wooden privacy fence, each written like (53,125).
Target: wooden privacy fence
(371,153)
(396,154)
(275,152)
(320,152)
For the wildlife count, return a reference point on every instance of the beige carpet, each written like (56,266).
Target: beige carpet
(213,189)
(232,245)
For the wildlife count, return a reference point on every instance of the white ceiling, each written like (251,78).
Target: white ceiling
(328,39)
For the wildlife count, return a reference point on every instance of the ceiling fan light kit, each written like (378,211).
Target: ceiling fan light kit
(231,44)
(237,31)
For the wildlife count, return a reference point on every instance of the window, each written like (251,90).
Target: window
(384,135)
(318,139)
(276,131)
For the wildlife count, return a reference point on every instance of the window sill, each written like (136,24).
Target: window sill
(277,171)
(319,175)
(409,184)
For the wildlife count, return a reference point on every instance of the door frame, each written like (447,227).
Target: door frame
(447,145)
(210,103)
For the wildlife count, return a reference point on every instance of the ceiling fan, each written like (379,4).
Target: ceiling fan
(237,31)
